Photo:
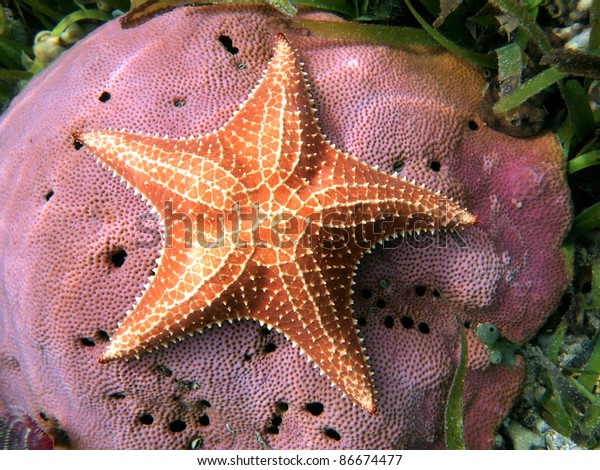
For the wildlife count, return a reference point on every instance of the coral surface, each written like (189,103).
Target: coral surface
(77,246)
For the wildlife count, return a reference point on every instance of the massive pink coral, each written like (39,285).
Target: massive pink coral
(78,246)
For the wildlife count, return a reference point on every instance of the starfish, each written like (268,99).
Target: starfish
(281,221)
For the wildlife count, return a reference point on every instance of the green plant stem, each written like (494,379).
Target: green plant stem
(588,219)
(390,35)
(584,161)
(517,10)
(578,105)
(595,25)
(79,15)
(528,89)
(476,57)
(453,419)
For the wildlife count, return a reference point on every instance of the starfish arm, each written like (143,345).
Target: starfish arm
(324,330)
(150,164)
(352,193)
(262,141)
(185,282)
(195,265)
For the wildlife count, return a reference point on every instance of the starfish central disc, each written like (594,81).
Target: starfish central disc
(266,220)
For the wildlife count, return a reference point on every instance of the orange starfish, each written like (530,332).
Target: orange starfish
(282,219)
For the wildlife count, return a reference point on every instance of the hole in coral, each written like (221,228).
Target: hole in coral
(435,166)
(179,102)
(204,420)
(381,303)
(104,96)
(43,416)
(398,166)
(265,330)
(473,125)
(388,321)
(164,370)
(204,403)
(117,395)
(361,321)
(187,385)
(314,408)
(196,443)
(424,328)
(146,419)
(435,293)
(366,293)
(117,257)
(78,145)
(102,336)
(276,420)
(247,357)
(272,430)
(420,290)
(270,347)
(332,434)
(60,437)
(282,406)
(49,195)
(467,324)
(407,322)
(177,425)
(228,44)
(87,342)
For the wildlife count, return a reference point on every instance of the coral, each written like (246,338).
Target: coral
(77,246)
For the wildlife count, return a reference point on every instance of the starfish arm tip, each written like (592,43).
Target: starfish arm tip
(105,359)
(469,219)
